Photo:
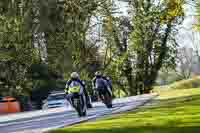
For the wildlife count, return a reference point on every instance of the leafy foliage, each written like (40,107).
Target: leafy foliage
(154,27)
(131,49)
(16,52)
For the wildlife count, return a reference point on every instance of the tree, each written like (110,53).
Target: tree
(151,44)
(197,5)
(195,41)
(190,50)
(154,25)
(65,25)
(57,41)
(17,54)
(185,63)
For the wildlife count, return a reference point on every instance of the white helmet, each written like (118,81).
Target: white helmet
(98,73)
(74,75)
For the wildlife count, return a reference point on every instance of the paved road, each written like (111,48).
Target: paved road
(41,121)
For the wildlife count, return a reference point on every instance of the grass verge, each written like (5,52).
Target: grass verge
(174,111)
(183,84)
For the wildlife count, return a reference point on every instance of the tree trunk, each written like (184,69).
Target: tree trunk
(151,78)
(132,87)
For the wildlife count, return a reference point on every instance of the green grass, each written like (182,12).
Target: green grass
(174,111)
(183,84)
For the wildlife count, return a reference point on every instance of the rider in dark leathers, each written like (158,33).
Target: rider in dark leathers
(101,85)
(109,81)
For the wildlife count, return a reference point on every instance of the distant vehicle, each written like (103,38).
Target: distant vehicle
(9,105)
(56,99)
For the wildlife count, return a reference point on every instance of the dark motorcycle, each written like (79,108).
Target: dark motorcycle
(105,96)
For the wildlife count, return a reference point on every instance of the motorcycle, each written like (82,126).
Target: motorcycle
(106,97)
(78,99)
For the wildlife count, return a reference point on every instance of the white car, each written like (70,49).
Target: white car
(55,100)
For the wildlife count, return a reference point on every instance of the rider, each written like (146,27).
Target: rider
(109,81)
(99,83)
(75,78)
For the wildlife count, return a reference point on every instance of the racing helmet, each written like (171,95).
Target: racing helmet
(98,73)
(74,75)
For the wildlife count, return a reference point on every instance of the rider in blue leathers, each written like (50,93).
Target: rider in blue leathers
(75,78)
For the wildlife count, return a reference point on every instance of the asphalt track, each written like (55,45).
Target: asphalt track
(44,120)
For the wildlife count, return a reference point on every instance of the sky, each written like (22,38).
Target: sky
(187,30)
(122,7)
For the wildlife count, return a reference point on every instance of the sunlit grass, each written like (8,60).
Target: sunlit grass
(174,111)
(183,84)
